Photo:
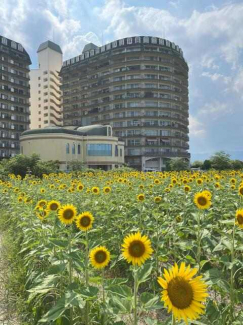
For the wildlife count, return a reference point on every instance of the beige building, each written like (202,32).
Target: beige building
(92,145)
(45,94)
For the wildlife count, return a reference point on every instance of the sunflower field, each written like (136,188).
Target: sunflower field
(117,248)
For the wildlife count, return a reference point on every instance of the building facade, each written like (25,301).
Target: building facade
(14,95)
(139,86)
(45,93)
(94,146)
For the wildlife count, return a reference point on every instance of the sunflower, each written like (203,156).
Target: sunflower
(41,203)
(156,181)
(187,188)
(217,185)
(42,190)
(199,181)
(202,201)
(157,199)
(80,187)
(84,221)
(136,248)
(241,190)
(239,218)
(208,193)
(99,257)
(95,190)
(20,199)
(182,294)
(140,197)
(53,205)
(107,189)
(67,213)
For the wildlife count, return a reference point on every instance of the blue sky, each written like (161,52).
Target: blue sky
(209,32)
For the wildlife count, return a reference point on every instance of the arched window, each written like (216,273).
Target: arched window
(67,148)
(73,149)
(79,149)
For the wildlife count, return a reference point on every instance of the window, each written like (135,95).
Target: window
(137,40)
(146,39)
(4,41)
(67,148)
(14,45)
(99,149)
(121,42)
(73,149)
(129,40)
(45,122)
(20,47)
(79,149)
(39,78)
(120,152)
(116,150)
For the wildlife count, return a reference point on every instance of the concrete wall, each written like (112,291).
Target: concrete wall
(53,147)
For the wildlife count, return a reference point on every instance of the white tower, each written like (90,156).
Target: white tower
(45,93)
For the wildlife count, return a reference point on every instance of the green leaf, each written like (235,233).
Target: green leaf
(120,290)
(144,272)
(150,301)
(55,312)
(123,305)
(88,293)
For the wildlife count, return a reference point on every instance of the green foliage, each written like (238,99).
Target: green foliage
(178,164)
(221,160)
(22,165)
(206,165)
(197,164)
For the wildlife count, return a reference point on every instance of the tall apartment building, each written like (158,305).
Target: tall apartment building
(139,86)
(45,94)
(14,95)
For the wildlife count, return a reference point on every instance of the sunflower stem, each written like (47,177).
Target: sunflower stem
(232,296)
(173,320)
(70,268)
(103,295)
(135,294)
(199,242)
(87,276)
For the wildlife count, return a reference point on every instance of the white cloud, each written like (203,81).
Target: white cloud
(215,110)
(238,83)
(216,77)
(30,22)
(218,30)
(197,129)
(208,62)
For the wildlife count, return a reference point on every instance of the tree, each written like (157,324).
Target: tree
(21,165)
(197,164)
(206,165)
(178,164)
(221,160)
(237,164)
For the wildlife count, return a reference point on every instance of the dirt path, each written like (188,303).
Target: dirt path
(7,316)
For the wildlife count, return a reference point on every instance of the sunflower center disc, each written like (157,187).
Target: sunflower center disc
(85,221)
(68,214)
(100,257)
(202,201)
(136,248)
(53,206)
(180,293)
(240,219)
